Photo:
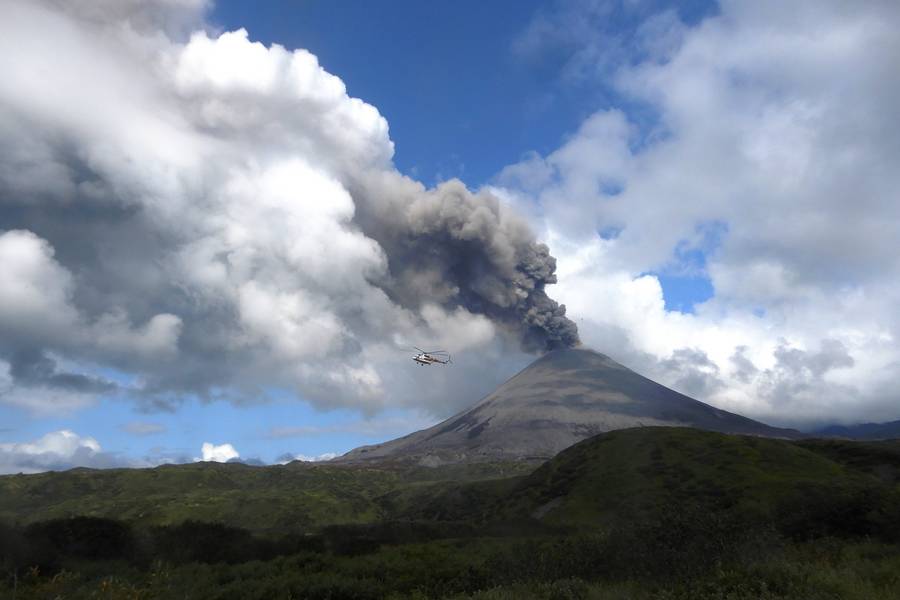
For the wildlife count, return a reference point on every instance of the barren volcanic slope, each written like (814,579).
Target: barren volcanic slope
(558,400)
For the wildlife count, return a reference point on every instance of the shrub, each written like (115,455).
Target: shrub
(84,537)
(197,541)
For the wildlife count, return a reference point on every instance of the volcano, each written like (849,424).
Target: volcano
(560,399)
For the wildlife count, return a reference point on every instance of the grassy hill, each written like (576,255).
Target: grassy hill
(637,472)
(880,459)
(640,513)
(294,497)
(629,473)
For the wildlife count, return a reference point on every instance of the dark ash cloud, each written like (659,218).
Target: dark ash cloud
(459,249)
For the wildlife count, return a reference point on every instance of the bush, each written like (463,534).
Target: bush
(816,511)
(90,538)
(685,541)
(197,541)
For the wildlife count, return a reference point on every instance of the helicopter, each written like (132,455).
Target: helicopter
(426,358)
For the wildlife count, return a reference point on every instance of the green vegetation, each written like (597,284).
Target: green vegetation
(662,513)
(297,496)
(636,473)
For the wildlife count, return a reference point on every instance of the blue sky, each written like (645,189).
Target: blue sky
(459,102)
(688,163)
(461,98)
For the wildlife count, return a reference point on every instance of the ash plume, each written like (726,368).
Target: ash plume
(458,249)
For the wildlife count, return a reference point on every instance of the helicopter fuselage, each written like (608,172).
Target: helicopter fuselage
(426,359)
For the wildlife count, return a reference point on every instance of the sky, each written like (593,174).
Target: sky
(224,225)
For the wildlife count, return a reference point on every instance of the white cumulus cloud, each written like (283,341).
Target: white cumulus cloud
(217,453)
(286,458)
(57,450)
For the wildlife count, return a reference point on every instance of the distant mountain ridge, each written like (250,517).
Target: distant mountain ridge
(863,431)
(558,400)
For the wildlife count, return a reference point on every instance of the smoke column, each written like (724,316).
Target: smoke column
(455,248)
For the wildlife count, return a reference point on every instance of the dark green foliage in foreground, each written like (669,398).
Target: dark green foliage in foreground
(644,513)
(663,559)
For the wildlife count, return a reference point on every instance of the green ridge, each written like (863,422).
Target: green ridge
(652,512)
